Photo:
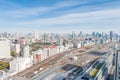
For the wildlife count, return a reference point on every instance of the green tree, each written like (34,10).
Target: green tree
(4,65)
(13,54)
(64,43)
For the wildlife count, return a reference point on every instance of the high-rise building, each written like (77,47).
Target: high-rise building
(15,46)
(36,34)
(61,42)
(111,35)
(4,48)
(73,35)
(26,51)
(93,34)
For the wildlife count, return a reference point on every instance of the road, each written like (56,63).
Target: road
(46,73)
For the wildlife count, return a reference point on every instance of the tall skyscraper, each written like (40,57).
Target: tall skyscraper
(111,35)
(73,35)
(61,42)
(17,48)
(36,34)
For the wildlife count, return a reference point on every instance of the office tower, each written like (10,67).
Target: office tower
(61,42)
(4,48)
(73,35)
(45,37)
(111,35)
(36,34)
(93,34)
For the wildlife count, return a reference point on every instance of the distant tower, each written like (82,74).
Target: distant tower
(45,37)
(16,36)
(17,47)
(36,34)
(61,42)
(111,35)
(93,34)
(73,35)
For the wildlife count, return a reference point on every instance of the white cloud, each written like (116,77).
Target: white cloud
(103,16)
(35,11)
(88,17)
(99,17)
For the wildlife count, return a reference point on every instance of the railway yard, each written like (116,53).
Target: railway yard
(66,65)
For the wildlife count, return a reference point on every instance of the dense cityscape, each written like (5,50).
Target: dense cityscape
(59,39)
(60,56)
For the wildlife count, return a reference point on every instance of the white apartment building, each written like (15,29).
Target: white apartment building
(4,48)
(20,64)
(36,34)
(15,47)
(26,51)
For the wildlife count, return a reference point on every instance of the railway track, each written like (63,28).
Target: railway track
(45,63)
(27,72)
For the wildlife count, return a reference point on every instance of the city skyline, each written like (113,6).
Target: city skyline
(59,15)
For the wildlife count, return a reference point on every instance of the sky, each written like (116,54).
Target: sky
(59,15)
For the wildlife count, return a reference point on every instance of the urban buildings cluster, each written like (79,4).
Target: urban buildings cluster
(29,49)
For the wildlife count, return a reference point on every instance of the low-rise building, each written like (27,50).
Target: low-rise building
(40,55)
(77,44)
(20,64)
(52,50)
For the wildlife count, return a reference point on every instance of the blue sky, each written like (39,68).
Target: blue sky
(59,15)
